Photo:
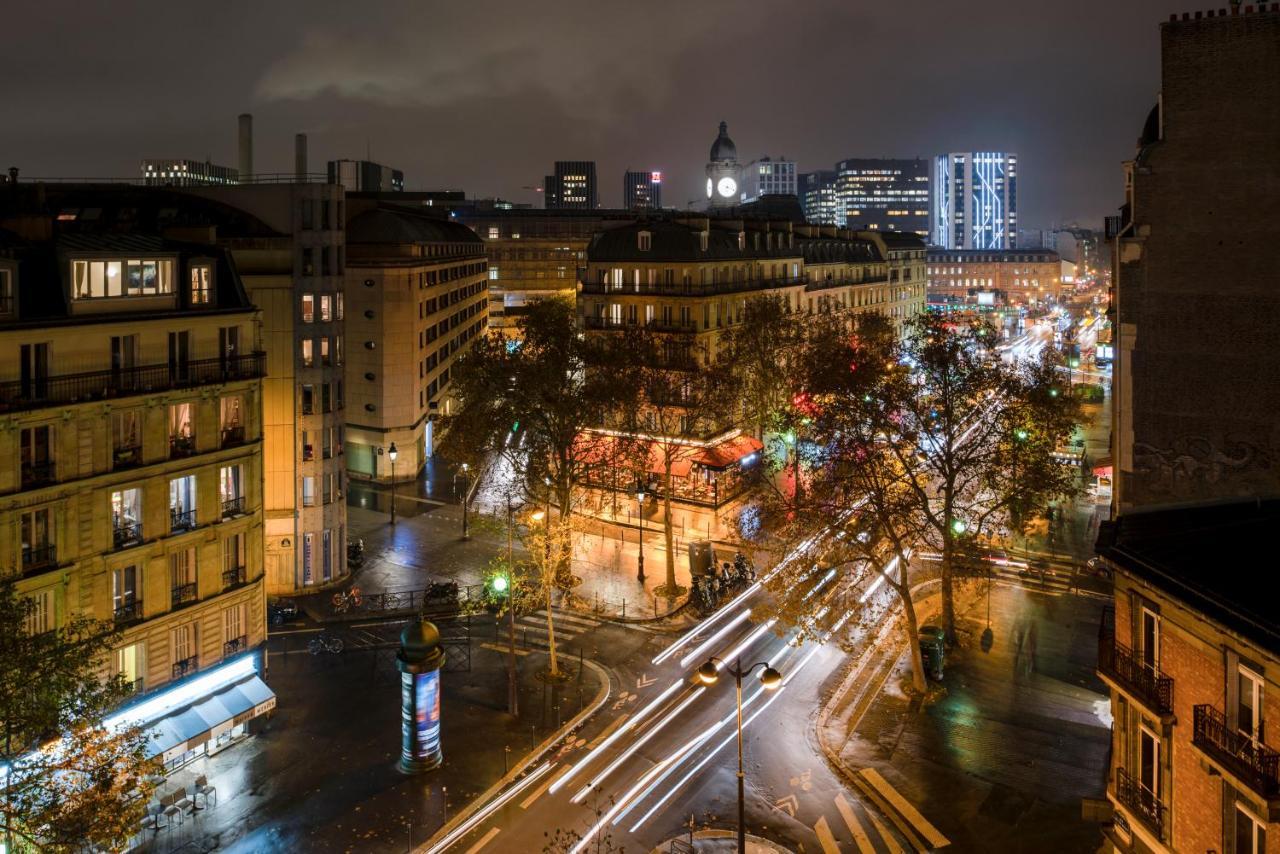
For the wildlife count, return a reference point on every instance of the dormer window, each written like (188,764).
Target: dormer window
(703,236)
(6,291)
(128,278)
(201,281)
(644,241)
(742,240)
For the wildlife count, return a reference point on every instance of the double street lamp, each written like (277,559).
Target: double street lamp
(771,679)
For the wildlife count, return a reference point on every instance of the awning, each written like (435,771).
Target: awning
(600,449)
(728,452)
(209,717)
(1102,468)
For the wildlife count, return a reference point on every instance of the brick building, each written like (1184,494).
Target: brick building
(1197,369)
(1192,658)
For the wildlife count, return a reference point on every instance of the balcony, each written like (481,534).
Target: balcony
(1148,685)
(126,457)
(233,507)
(185,666)
(182,446)
(126,535)
(1251,762)
(672,326)
(1140,801)
(60,389)
(36,474)
(693,289)
(232,436)
(233,577)
(128,612)
(184,521)
(235,645)
(183,594)
(39,558)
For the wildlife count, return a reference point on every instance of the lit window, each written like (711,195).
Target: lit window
(200,275)
(308,308)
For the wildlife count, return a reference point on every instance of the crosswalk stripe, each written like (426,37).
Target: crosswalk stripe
(855,826)
(825,838)
(885,836)
(931,834)
(484,840)
(576,619)
(503,649)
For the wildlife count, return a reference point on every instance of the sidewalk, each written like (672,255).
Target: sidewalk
(279,790)
(999,761)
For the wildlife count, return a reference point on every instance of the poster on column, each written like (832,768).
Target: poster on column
(426,725)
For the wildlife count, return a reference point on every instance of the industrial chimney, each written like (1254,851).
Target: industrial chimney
(300,158)
(246,147)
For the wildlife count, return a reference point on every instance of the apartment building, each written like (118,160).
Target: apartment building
(1008,277)
(1192,657)
(131,373)
(416,290)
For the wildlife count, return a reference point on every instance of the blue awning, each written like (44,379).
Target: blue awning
(208,717)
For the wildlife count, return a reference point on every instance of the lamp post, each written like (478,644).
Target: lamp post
(466,494)
(391,455)
(640,559)
(771,680)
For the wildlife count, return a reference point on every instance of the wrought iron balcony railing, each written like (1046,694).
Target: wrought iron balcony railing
(185,666)
(183,593)
(126,456)
(232,436)
(1248,759)
(182,446)
(40,473)
(102,385)
(235,645)
(1145,682)
(128,612)
(232,506)
(689,288)
(184,521)
(126,535)
(233,577)
(1142,802)
(673,325)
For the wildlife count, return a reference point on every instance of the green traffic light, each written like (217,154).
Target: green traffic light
(958,526)
(499,584)
(1021,434)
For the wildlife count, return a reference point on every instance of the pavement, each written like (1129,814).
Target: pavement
(999,757)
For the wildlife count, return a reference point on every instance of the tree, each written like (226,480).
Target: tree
(72,780)
(524,401)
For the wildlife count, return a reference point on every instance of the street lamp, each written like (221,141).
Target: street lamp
(640,559)
(466,494)
(771,680)
(391,455)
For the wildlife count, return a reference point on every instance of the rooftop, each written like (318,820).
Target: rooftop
(1215,558)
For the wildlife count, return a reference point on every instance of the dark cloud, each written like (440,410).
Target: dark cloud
(483,96)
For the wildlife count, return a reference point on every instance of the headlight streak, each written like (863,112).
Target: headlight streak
(706,624)
(586,839)
(749,642)
(640,742)
(639,716)
(709,642)
(468,825)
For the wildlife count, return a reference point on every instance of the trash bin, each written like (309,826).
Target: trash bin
(701,558)
(933,648)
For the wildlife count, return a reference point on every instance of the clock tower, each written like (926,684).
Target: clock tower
(723,171)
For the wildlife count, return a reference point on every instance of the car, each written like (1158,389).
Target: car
(281,611)
(1095,566)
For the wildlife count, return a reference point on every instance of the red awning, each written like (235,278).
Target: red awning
(599,449)
(729,452)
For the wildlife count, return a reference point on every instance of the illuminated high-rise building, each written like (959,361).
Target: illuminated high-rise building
(642,190)
(883,195)
(768,177)
(817,192)
(572,186)
(975,200)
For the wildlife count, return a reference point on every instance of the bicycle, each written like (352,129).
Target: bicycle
(325,643)
(346,600)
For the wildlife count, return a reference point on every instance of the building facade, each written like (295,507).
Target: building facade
(975,200)
(818,200)
(642,191)
(724,174)
(131,410)
(768,177)
(883,195)
(365,176)
(1015,277)
(572,186)
(1191,653)
(159,172)
(1197,362)
(416,291)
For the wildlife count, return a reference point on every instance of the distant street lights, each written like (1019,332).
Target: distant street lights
(640,559)
(770,679)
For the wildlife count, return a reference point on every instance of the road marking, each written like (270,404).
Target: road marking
(855,826)
(930,833)
(505,650)
(645,681)
(788,804)
(484,840)
(543,786)
(608,731)
(885,836)
(803,781)
(825,838)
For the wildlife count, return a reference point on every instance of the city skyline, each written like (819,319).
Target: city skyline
(1072,118)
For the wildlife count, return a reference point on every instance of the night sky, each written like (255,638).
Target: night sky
(483,96)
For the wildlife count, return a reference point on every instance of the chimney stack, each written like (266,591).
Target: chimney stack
(246,147)
(300,158)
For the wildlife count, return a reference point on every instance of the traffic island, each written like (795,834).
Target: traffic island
(717,842)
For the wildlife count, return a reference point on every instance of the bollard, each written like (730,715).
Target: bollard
(624,609)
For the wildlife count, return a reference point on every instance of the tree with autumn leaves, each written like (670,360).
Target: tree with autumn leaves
(68,779)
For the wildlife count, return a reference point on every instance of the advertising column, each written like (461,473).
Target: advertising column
(419,661)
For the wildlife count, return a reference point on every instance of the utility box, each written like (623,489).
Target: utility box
(701,558)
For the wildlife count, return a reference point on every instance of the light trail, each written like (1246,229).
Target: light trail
(705,624)
(470,824)
(608,816)
(626,754)
(639,716)
(749,642)
(709,642)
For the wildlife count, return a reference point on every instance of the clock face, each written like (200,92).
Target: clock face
(708,188)
(727,187)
